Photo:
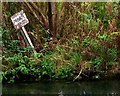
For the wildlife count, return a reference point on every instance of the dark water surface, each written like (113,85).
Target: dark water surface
(58,88)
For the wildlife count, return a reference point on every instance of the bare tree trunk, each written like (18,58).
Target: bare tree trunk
(50,19)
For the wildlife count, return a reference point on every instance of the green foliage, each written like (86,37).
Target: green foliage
(64,72)
(38,4)
(9,46)
(11,80)
(97,62)
(76,58)
(102,37)
(5,35)
(59,6)
(47,67)
(86,42)
(21,65)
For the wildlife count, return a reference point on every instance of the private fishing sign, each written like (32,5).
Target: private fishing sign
(19,20)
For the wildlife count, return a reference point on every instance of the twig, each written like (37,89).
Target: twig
(85,75)
(5,66)
(78,75)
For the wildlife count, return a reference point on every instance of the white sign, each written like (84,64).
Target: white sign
(19,20)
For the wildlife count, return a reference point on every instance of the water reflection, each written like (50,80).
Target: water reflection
(86,88)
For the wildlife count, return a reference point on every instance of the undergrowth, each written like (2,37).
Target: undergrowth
(80,37)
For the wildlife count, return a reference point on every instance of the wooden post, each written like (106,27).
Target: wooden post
(29,42)
(24,38)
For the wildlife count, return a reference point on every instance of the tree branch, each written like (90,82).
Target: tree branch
(40,11)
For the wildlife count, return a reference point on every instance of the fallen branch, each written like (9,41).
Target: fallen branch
(85,75)
(78,74)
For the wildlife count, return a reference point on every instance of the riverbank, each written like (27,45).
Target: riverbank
(84,76)
(85,49)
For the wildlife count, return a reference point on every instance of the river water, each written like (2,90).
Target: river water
(64,88)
